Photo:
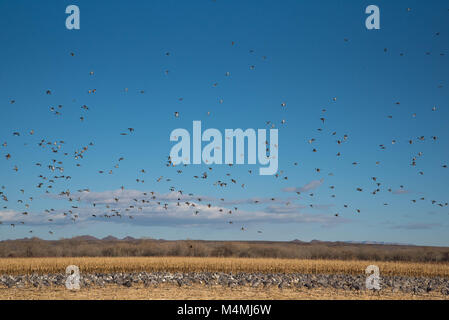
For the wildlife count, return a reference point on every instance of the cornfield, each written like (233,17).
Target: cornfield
(16,266)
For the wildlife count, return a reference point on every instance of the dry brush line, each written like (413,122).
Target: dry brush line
(193,264)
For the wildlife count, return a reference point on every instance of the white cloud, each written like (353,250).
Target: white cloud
(416,226)
(119,205)
(309,186)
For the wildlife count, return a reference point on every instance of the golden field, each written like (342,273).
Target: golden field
(201,292)
(16,266)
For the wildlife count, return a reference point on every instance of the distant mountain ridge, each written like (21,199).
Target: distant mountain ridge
(380,242)
(108,238)
(314,241)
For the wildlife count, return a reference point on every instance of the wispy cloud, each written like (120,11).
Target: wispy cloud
(416,226)
(400,191)
(10,216)
(16,217)
(309,186)
(170,209)
(125,196)
(296,208)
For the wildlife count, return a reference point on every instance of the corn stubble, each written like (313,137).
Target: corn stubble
(18,266)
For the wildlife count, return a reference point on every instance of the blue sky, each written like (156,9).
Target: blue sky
(300,57)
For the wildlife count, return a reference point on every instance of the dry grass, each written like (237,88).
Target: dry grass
(82,247)
(194,264)
(201,292)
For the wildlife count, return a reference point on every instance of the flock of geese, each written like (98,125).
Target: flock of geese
(53,170)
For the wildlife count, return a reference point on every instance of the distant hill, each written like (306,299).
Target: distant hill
(110,238)
(85,238)
(380,242)
(128,238)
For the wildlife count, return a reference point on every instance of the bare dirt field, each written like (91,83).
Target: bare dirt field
(201,292)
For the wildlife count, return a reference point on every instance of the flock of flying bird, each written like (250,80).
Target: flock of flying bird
(54,171)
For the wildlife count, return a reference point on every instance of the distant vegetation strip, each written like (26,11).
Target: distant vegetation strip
(87,247)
